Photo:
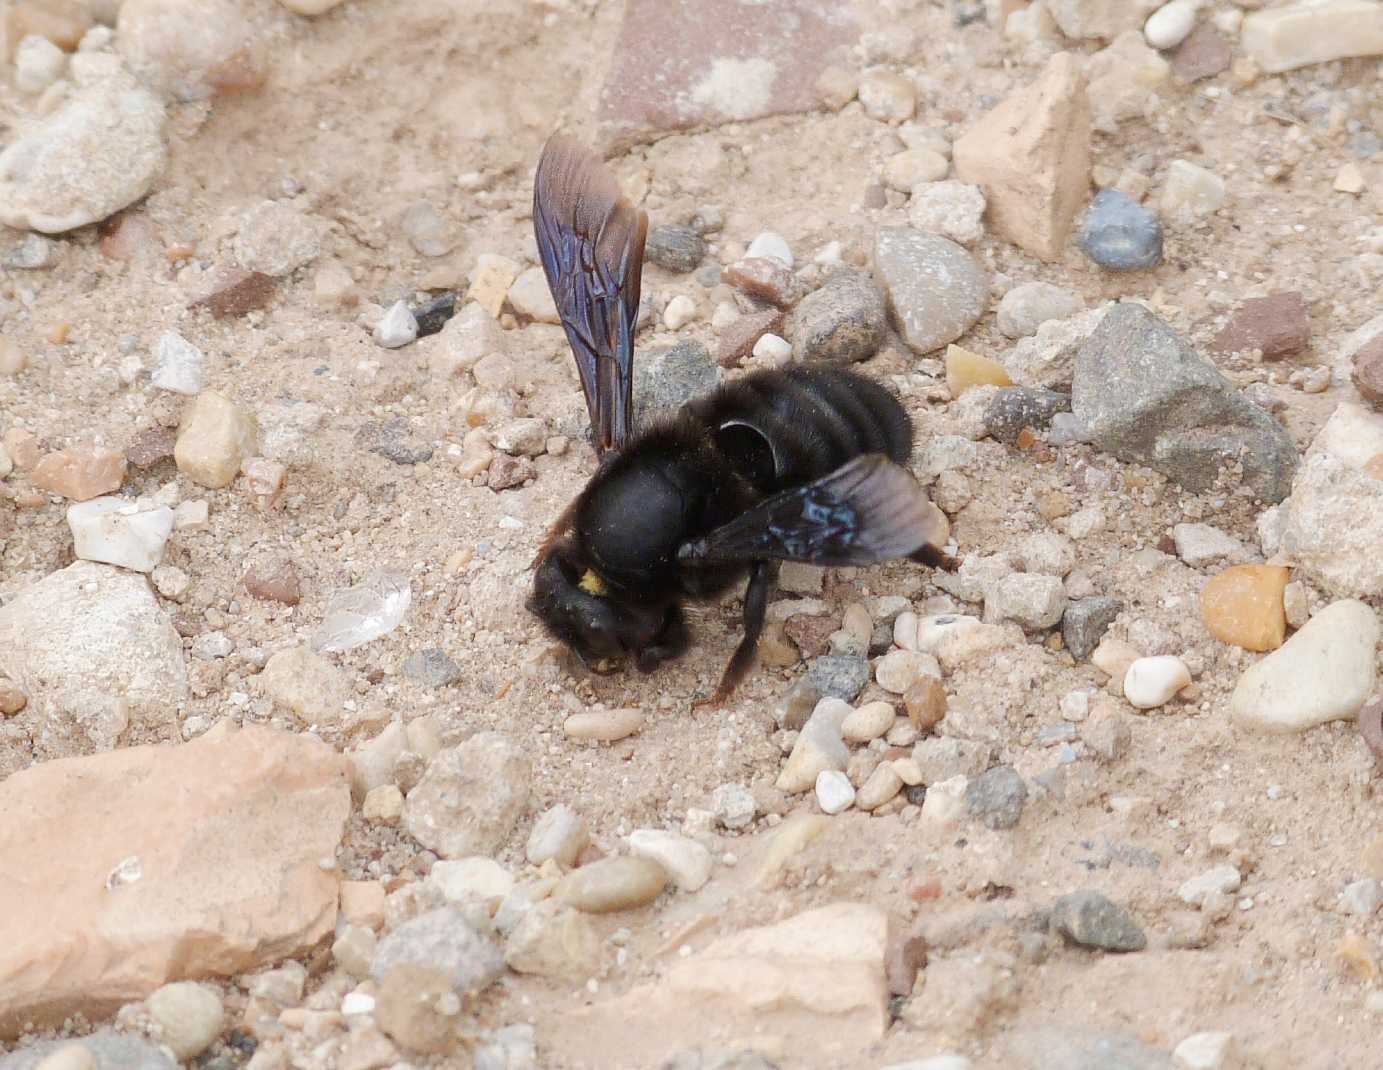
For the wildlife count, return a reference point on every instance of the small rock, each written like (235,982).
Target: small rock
(468,879)
(1205,1051)
(952,209)
(397,327)
(1201,544)
(925,702)
(189,1017)
(772,245)
(432,316)
(834,792)
(31,254)
(611,884)
(883,784)
(1323,673)
(427,230)
(1277,326)
(1244,606)
(418,1008)
(432,668)
(179,365)
(552,940)
(120,532)
(1104,19)
(966,370)
(1106,733)
(936,291)
(1152,682)
(490,282)
(1031,156)
(1016,409)
(560,834)
(12,699)
(667,379)
(1122,81)
(1204,54)
(1085,621)
(276,238)
(687,862)
(887,97)
(443,940)
(1368,371)
(1221,880)
(1089,919)
(839,676)
(531,298)
(1304,34)
(1170,24)
(870,721)
(679,249)
(38,63)
(471,797)
(764,278)
(734,806)
(1190,193)
(1025,308)
(80,473)
(306,684)
(944,805)
(1120,234)
(213,440)
(275,580)
(738,339)
(383,805)
(819,746)
(605,726)
(1362,897)
(354,949)
(996,797)
(1034,601)
(912,167)
(842,322)
(191,54)
(680,311)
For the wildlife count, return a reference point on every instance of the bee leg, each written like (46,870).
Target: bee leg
(933,557)
(672,641)
(755,608)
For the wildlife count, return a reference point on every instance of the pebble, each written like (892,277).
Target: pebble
(511,1048)
(276,238)
(552,940)
(898,670)
(1016,409)
(1090,919)
(178,365)
(667,379)
(1120,234)
(881,786)
(764,278)
(383,805)
(191,54)
(605,726)
(471,797)
(838,676)
(445,940)
(418,1008)
(1201,544)
(1206,52)
(559,834)
(1221,880)
(216,435)
(12,699)
(870,721)
(836,87)
(531,297)
(1349,179)
(1325,672)
(427,230)
(925,701)
(739,337)
(887,97)
(1170,24)
(1034,601)
(841,322)
(734,806)
(1368,372)
(13,360)
(433,315)
(772,245)
(1123,81)
(679,249)
(1190,192)
(33,253)
(1048,553)
(1277,326)
(354,949)
(1362,897)
(490,282)
(81,472)
(687,862)
(1152,682)
(1106,733)
(1031,156)
(680,311)
(1026,307)
(306,684)
(38,63)
(120,532)
(397,327)
(1206,1051)
(189,1017)
(465,879)
(944,805)
(936,291)
(275,580)
(966,370)
(834,792)
(615,883)
(819,746)
(996,797)
(1244,606)
(99,152)
(911,167)
(1150,418)
(1303,34)
(1113,658)
(952,209)
(1104,19)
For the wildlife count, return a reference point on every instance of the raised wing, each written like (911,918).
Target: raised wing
(865,511)
(591,241)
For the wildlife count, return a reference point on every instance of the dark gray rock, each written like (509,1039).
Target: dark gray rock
(842,322)
(113,1051)
(443,940)
(839,676)
(1120,234)
(1091,920)
(1146,396)
(394,440)
(432,316)
(1053,1048)
(669,378)
(1085,622)
(431,668)
(1016,407)
(996,797)
(678,249)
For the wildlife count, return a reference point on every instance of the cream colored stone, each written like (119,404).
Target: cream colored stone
(490,282)
(201,859)
(306,684)
(1307,33)
(530,296)
(215,437)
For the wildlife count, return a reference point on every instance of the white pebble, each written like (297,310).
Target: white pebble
(687,862)
(1205,1051)
(74,1056)
(680,311)
(38,63)
(603,725)
(357,1003)
(397,327)
(117,531)
(772,348)
(1362,897)
(1170,24)
(834,792)
(179,367)
(1191,192)
(944,805)
(189,1017)
(1151,682)
(1075,706)
(771,245)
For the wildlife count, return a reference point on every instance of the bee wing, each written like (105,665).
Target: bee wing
(591,242)
(865,511)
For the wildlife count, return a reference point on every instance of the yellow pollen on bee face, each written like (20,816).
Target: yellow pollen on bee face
(593,584)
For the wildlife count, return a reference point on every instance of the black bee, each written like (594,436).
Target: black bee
(798,465)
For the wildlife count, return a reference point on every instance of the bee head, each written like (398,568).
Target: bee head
(578,607)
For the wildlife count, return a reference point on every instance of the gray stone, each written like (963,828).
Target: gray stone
(936,291)
(1147,397)
(442,940)
(471,798)
(1085,622)
(394,440)
(1026,307)
(839,676)
(1091,920)
(678,249)
(669,378)
(942,757)
(1014,408)
(511,1048)
(841,322)
(112,1051)
(432,668)
(1120,234)
(996,797)
(1053,1048)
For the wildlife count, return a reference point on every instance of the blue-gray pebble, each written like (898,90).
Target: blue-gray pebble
(1120,234)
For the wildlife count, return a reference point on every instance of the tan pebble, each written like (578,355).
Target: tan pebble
(925,702)
(603,725)
(965,370)
(883,784)
(1244,606)
(868,722)
(858,622)
(490,282)
(69,1057)
(362,903)
(836,87)
(265,481)
(22,446)
(383,805)
(215,437)
(898,670)
(616,883)
(909,771)
(12,699)
(418,1009)
(13,360)
(1349,179)
(81,473)
(791,838)
(1113,657)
